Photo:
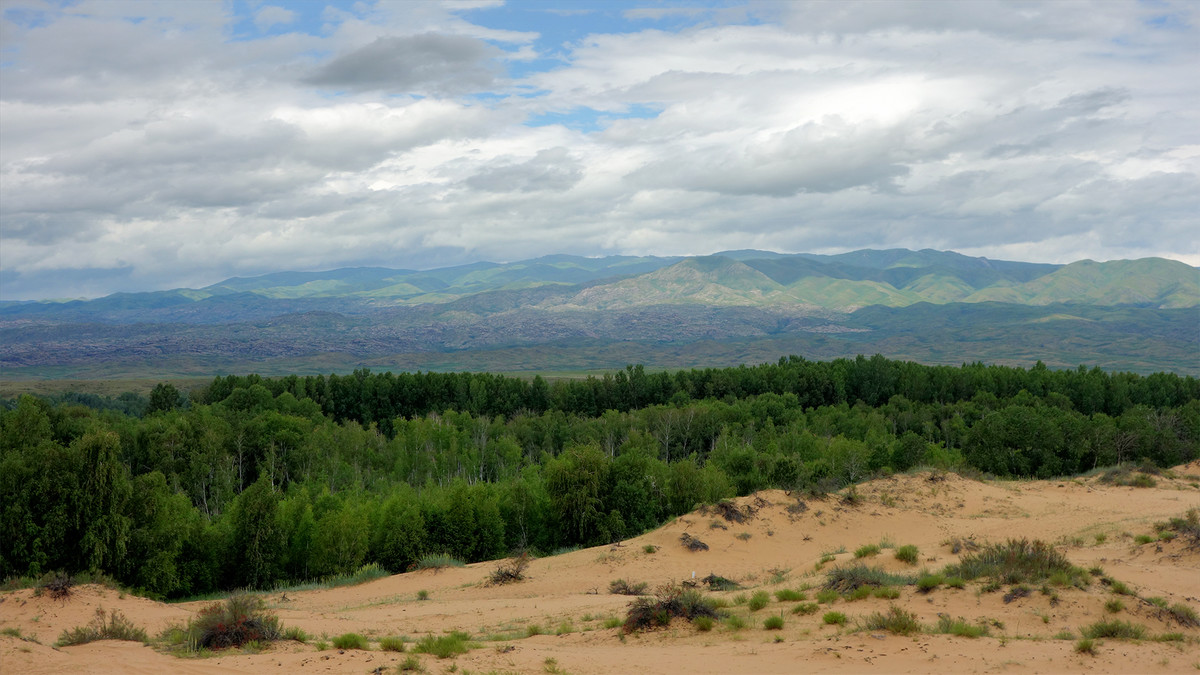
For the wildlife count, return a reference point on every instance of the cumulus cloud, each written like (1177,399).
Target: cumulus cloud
(143,147)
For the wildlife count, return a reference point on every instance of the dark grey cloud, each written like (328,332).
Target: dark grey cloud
(428,63)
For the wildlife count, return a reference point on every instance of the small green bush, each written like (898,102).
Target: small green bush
(1185,615)
(422,595)
(703,623)
(806,608)
(669,602)
(907,553)
(759,600)
(1113,606)
(887,593)
(955,582)
(410,664)
(1143,539)
(612,622)
(444,646)
(929,582)
(896,621)
(113,626)
(789,595)
(866,551)
(350,641)
(735,622)
(773,623)
(295,634)
(1086,646)
(1122,630)
(1120,588)
(834,618)
(851,577)
(827,596)
(391,644)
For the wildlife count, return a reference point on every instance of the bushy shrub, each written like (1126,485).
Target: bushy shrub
(806,608)
(719,583)
(510,571)
(788,595)
(773,623)
(240,619)
(834,619)
(759,600)
(669,602)
(851,577)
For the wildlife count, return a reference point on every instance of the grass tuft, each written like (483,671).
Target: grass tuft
(773,623)
(444,646)
(896,621)
(1017,561)
(1121,630)
(350,641)
(908,554)
(436,561)
(113,626)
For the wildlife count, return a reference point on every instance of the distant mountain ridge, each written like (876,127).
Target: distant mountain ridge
(1136,312)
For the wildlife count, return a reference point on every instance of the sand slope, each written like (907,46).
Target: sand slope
(565,599)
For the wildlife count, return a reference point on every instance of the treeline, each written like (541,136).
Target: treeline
(381,397)
(252,482)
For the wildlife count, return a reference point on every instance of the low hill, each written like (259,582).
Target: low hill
(931,306)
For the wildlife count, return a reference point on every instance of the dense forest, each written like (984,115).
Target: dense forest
(255,482)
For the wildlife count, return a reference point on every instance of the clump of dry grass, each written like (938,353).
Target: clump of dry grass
(691,543)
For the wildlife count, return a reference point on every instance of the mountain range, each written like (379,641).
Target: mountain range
(569,312)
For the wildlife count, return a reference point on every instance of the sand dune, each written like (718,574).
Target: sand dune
(565,600)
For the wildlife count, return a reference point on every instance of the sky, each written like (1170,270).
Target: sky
(154,145)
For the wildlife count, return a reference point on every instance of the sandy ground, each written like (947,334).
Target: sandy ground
(565,601)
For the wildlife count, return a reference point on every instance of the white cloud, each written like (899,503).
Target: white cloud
(143,148)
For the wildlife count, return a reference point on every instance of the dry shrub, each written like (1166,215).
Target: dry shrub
(716,582)
(732,512)
(622,587)
(691,543)
(113,627)
(510,571)
(59,585)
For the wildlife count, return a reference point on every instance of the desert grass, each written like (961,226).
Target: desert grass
(113,626)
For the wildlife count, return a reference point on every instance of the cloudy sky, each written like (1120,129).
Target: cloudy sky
(150,145)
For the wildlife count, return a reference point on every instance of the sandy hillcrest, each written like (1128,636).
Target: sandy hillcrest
(773,540)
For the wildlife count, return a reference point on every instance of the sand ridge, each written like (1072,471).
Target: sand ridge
(554,619)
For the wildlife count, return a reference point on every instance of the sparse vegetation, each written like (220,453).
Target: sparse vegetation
(959,627)
(789,595)
(58,585)
(113,626)
(805,608)
(1086,646)
(703,623)
(851,577)
(1113,606)
(410,664)
(719,583)
(622,587)
(691,543)
(436,561)
(773,623)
